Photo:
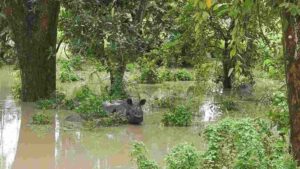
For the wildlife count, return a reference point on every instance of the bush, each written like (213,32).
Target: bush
(246,143)
(130,67)
(166,75)
(67,73)
(149,73)
(90,104)
(52,103)
(183,75)
(180,116)
(183,156)
(139,154)
(41,119)
(280,112)
(112,120)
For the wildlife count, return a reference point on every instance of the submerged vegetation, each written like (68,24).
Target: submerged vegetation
(179,116)
(41,119)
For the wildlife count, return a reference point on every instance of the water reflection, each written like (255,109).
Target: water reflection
(210,111)
(10,129)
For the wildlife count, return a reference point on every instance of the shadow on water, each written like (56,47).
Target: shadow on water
(23,146)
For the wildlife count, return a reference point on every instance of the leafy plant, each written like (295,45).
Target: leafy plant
(149,73)
(41,119)
(67,73)
(179,116)
(280,112)
(166,75)
(131,67)
(139,154)
(245,143)
(183,75)
(183,156)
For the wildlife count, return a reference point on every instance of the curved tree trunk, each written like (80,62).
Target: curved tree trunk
(34,28)
(291,35)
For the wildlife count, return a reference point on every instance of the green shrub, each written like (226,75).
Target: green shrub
(280,112)
(130,67)
(183,156)
(52,103)
(90,104)
(166,75)
(139,155)
(180,116)
(76,62)
(41,119)
(68,73)
(246,143)
(112,120)
(149,73)
(183,75)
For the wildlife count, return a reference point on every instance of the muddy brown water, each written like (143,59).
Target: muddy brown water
(23,146)
(57,146)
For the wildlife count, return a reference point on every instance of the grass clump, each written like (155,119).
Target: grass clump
(41,119)
(179,116)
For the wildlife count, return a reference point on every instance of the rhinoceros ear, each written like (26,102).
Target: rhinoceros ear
(143,102)
(129,101)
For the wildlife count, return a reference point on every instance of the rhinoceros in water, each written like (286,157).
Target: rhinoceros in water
(126,108)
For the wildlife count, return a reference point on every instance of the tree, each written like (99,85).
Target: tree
(230,31)
(34,29)
(291,33)
(114,32)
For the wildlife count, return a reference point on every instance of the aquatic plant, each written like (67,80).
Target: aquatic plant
(183,156)
(41,118)
(140,156)
(179,116)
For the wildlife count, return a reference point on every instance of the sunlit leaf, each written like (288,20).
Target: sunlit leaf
(208,3)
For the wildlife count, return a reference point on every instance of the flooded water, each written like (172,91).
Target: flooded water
(23,146)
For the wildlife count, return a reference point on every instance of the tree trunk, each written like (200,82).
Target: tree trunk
(117,80)
(228,63)
(34,28)
(291,34)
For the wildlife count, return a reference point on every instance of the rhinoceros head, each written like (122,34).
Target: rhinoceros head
(134,111)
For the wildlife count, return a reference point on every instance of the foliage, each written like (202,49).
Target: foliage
(183,75)
(179,116)
(183,156)
(16,87)
(57,100)
(245,143)
(178,75)
(131,67)
(112,120)
(41,118)
(139,155)
(67,71)
(280,113)
(90,104)
(148,69)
